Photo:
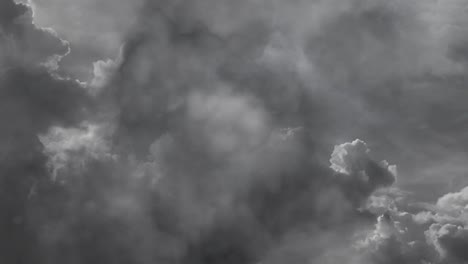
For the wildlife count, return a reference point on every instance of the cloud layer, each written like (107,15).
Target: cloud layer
(225,132)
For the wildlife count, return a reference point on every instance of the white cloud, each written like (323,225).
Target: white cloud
(353,158)
(73,146)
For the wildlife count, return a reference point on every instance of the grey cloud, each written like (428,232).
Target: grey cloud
(23,43)
(450,242)
(11,11)
(211,94)
(211,134)
(102,72)
(437,236)
(95,29)
(359,174)
(33,98)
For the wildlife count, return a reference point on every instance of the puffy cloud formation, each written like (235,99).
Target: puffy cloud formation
(450,242)
(349,158)
(448,233)
(436,236)
(221,131)
(454,203)
(102,71)
(73,145)
(352,162)
(352,158)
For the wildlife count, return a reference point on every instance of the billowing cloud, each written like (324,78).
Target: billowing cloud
(358,173)
(95,29)
(223,131)
(450,241)
(353,158)
(73,145)
(33,98)
(23,43)
(436,236)
(454,203)
(102,72)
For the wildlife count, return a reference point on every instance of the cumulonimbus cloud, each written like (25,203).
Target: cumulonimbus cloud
(220,135)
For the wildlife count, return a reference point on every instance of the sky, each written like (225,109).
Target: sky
(234,132)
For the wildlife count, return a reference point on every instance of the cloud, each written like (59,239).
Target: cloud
(23,43)
(33,98)
(437,236)
(359,174)
(73,145)
(200,103)
(352,158)
(208,138)
(102,71)
(95,29)
(454,203)
(450,241)
(449,209)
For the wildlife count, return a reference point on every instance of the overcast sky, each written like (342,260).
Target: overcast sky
(218,131)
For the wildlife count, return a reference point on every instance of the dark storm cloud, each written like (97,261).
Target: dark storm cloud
(225,86)
(447,233)
(212,138)
(221,129)
(11,11)
(23,43)
(32,100)
(226,180)
(95,29)
(450,241)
